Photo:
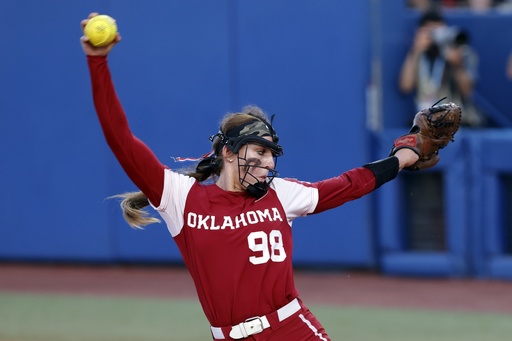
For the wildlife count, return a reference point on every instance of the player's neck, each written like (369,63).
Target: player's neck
(229,181)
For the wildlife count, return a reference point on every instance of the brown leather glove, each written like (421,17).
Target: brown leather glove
(433,128)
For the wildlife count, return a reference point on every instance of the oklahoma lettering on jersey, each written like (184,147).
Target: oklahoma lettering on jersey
(211,222)
(230,241)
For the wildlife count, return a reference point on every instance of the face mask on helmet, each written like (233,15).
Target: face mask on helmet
(253,132)
(249,168)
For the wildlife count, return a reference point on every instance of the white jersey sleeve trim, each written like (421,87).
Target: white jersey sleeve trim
(297,199)
(174,197)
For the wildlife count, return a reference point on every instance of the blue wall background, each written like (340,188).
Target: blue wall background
(180,66)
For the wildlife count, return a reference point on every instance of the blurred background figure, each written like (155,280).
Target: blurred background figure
(509,67)
(504,6)
(480,5)
(477,6)
(440,63)
(421,5)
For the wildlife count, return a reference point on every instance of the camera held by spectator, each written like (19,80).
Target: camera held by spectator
(451,37)
(445,36)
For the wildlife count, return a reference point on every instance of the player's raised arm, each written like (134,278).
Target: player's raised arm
(137,160)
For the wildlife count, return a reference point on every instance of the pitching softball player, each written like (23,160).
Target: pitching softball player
(235,232)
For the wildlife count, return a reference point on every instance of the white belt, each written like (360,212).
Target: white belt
(255,325)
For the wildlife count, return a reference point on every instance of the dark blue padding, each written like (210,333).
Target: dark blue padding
(490,151)
(393,255)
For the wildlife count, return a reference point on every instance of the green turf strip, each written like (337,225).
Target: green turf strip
(93,318)
(367,324)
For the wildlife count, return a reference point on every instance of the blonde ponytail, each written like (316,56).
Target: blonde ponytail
(133,204)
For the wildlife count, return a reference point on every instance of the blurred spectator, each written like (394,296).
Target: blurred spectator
(421,5)
(504,6)
(440,63)
(475,5)
(509,67)
(480,5)
(450,3)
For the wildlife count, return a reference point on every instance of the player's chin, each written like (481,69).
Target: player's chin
(256,180)
(259,179)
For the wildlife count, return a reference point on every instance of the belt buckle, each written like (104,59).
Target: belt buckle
(252,329)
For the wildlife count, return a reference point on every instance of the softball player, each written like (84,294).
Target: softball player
(234,234)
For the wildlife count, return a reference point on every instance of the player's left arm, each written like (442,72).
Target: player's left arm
(358,182)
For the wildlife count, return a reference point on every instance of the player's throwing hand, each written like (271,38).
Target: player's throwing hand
(92,50)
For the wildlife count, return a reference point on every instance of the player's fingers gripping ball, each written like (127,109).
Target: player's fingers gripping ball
(433,128)
(101,30)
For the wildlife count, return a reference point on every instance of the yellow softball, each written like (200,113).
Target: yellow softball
(101,30)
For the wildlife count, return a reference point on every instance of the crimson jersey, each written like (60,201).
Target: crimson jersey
(237,248)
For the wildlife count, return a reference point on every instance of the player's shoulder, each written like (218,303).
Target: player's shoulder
(291,182)
(179,177)
(291,186)
(297,197)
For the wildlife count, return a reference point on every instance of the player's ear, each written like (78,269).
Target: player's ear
(226,153)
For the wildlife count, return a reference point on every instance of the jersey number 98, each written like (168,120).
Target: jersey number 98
(269,246)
